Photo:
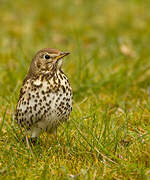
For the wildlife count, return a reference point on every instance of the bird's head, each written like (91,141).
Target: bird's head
(46,60)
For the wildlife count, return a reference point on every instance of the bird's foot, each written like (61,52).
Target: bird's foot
(35,141)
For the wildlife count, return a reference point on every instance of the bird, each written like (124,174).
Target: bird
(46,96)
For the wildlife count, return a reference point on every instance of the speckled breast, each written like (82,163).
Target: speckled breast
(46,100)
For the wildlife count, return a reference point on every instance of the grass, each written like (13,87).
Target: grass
(108,133)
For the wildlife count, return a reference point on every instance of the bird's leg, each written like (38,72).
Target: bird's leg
(55,133)
(35,132)
(27,141)
(28,145)
(33,140)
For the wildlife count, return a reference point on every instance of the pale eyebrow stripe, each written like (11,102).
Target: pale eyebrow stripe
(52,55)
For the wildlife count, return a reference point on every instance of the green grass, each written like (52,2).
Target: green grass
(108,133)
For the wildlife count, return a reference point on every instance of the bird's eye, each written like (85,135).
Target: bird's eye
(47,56)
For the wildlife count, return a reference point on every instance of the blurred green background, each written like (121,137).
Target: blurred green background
(109,70)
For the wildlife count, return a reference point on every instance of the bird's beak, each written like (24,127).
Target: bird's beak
(62,54)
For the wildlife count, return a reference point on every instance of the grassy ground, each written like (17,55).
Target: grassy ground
(108,133)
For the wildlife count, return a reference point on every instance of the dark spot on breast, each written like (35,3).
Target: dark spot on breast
(35,107)
(61,76)
(62,103)
(37,94)
(67,104)
(44,98)
(27,122)
(43,92)
(42,78)
(39,112)
(60,110)
(63,88)
(64,77)
(57,99)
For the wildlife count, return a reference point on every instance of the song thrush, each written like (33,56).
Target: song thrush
(45,98)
